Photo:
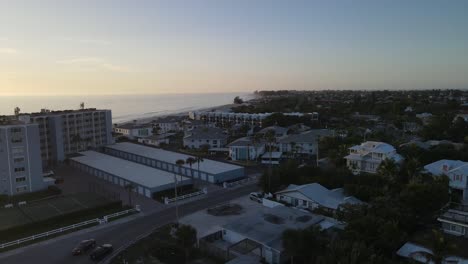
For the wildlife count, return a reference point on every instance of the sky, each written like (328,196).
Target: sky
(68,47)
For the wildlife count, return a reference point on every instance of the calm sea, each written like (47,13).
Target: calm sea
(124,107)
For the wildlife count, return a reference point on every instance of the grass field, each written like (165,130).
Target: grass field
(44,209)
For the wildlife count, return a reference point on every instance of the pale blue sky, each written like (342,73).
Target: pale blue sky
(101,47)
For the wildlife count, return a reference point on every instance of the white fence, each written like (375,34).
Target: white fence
(186,196)
(66,228)
(240,182)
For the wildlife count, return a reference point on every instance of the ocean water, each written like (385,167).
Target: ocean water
(124,107)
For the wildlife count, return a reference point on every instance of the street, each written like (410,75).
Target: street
(58,250)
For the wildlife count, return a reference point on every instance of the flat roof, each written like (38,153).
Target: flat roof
(131,171)
(209,166)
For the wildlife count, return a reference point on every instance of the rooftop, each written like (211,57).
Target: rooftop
(131,171)
(323,196)
(444,166)
(133,126)
(206,133)
(267,226)
(309,136)
(46,112)
(210,166)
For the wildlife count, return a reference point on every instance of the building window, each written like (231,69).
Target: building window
(21,189)
(19,169)
(16,140)
(17,150)
(20,179)
(18,160)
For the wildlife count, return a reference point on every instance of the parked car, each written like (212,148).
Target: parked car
(101,251)
(256,196)
(84,246)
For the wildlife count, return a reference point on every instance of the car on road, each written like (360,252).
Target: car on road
(256,196)
(101,251)
(84,246)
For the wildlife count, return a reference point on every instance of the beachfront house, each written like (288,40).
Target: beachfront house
(167,124)
(368,156)
(157,140)
(134,130)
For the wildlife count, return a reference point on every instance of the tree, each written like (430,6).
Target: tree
(271,140)
(238,100)
(198,160)
(190,161)
(130,187)
(389,170)
(179,164)
(186,237)
(440,247)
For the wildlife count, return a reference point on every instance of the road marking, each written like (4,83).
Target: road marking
(60,212)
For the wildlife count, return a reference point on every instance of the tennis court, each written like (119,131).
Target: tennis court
(44,209)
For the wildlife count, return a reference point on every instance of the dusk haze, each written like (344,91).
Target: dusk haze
(233,131)
(66,47)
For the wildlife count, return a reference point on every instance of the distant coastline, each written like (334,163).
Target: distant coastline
(124,108)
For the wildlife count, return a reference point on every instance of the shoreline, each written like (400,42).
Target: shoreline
(143,120)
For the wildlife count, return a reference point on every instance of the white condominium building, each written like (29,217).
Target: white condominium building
(20,158)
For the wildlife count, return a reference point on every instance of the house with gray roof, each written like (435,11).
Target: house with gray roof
(303,144)
(314,195)
(277,130)
(205,136)
(455,170)
(261,234)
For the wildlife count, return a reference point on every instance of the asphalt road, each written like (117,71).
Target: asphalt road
(58,250)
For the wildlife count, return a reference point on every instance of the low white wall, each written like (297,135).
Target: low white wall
(270,204)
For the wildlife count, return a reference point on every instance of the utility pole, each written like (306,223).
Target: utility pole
(318,140)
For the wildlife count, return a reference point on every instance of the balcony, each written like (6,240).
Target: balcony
(455,213)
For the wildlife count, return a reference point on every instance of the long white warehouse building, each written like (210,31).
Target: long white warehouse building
(210,170)
(147,180)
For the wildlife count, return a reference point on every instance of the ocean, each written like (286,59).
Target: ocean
(124,107)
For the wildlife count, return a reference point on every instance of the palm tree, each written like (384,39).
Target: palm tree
(190,161)
(389,170)
(270,139)
(179,164)
(199,159)
(440,247)
(130,188)
(256,140)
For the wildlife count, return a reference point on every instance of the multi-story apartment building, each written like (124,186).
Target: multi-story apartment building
(223,118)
(20,158)
(368,156)
(134,131)
(62,133)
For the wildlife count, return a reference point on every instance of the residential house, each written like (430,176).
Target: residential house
(134,130)
(260,234)
(368,156)
(168,124)
(157,140)
(303,144)
(276,130)
(456,171)
(246,148)
(205,136)
(425,118)
(314,195)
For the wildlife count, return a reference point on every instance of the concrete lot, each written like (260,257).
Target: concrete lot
(207,224)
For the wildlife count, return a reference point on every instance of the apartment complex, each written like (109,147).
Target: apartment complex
(65,132)
(20,163)
(240,118)
(368,156)
(134,131)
